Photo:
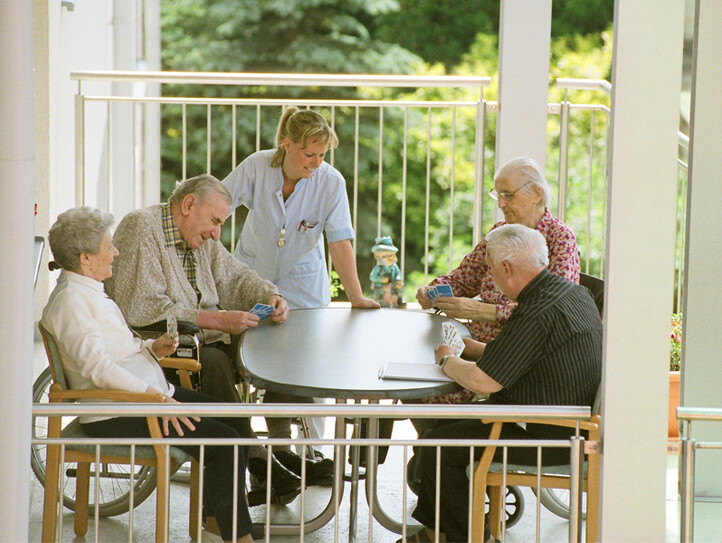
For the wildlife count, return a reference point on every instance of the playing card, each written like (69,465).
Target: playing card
(452,337)
(431,294)
(172,325)
(262,310)
(444,291)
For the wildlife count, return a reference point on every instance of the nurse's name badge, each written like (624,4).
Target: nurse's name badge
(282,238)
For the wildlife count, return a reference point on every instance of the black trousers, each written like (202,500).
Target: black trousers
(218,479)
(454,487)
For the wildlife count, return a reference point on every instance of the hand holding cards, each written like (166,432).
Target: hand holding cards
(171,325)
(439,290)
(452,338)
(262,310)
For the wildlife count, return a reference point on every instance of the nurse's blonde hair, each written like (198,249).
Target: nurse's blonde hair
(300,126)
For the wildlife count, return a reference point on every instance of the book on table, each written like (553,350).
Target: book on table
(413,371)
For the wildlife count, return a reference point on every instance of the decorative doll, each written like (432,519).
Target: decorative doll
(386,282)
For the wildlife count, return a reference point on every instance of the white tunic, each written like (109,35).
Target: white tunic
(318,203)
(97,349)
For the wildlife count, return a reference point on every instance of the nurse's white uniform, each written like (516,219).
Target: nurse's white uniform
(317,204)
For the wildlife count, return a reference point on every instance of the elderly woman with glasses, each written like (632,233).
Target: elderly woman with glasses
(522,194)
(99,351)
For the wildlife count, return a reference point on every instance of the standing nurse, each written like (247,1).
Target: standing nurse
(293,196)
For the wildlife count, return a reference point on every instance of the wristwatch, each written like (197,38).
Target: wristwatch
(443,360)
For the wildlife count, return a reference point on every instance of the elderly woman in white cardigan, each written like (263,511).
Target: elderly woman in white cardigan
(98,350)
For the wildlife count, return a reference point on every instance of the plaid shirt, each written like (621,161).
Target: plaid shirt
(186,255)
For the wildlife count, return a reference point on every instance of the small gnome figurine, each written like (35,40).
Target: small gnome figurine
(386,282)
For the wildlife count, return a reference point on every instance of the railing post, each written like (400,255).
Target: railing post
(576,469)
(79,149)
(479,170)
(563,155)
(686,522)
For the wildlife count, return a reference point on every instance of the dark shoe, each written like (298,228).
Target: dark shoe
(317,472)
(282,480)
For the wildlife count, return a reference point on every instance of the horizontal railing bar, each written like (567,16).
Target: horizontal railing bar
(711,445)
(555,107)
(584,84)
(699,413)
(328,80)
(300,442)
(491,412)
(278,101)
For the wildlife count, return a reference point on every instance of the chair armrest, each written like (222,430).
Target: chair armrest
(184,327)
(187,364)
(588,424)
(58,394)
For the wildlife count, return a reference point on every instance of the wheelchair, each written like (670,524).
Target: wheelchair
(115,488)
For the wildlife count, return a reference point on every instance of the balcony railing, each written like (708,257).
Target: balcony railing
(341,412)
(417,152)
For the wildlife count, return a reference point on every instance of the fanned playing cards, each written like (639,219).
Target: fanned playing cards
(452,338)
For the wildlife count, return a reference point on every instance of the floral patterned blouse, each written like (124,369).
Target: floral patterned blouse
(473,278)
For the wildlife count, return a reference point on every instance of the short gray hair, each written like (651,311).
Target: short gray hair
(202,187)
(518,245)
(76,231)
(529,172)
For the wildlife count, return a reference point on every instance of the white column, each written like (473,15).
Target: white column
(17,193)
(702,344)
(646,80)
(524,36)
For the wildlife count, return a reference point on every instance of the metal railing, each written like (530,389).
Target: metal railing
(341,412)
(688,415)
(412,160)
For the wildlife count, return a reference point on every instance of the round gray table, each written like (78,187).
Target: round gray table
(337,352)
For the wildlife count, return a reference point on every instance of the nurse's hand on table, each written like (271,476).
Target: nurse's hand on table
(280,313)
(364,303)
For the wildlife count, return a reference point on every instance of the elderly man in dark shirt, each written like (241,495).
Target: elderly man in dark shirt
(548,353)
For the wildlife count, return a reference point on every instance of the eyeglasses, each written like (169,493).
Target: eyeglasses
(505,195)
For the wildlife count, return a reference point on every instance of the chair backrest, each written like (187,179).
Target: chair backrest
(595,285)
(51,349)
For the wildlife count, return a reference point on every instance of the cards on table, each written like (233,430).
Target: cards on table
(439,290)
(452,338)
(171,325)
(262,310)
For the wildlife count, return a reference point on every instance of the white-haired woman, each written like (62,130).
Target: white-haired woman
(522,193)
(99,351)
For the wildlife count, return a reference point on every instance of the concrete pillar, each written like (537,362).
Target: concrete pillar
(702,343)
(524,37)
(642,199)
(17,194)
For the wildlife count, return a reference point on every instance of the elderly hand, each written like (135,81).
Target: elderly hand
(442,351)
(165,345)
(280,312)
(364,303)
(176,421)
(458,307)
(423,299)
(474,349)
(235,322)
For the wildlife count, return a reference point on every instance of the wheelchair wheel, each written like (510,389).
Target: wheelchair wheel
(556,500)
(514,505)
(114,490)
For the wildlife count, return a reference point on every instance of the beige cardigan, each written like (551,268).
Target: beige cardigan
(149,283)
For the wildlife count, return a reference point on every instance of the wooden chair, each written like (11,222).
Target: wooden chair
(491,474)
(85,455)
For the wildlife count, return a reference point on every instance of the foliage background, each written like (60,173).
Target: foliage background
(391,37)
